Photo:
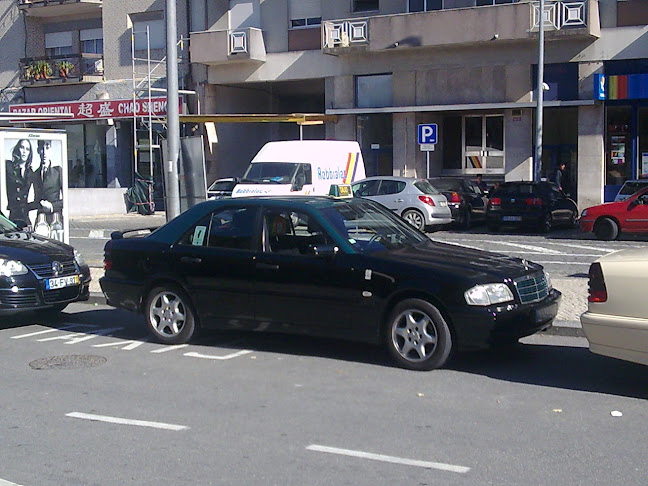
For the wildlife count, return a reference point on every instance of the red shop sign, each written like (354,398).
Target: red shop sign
(96,109)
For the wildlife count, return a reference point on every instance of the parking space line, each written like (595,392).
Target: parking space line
(390,459)
(78,337)
(7,483)
(124,421)
(169,348)
(583,247)
(47,331)
(228,356)
(129,345)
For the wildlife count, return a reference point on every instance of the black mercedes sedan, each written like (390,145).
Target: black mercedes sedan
(37,273)
(344,268)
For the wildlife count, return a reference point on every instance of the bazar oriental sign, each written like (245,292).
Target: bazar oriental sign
(96,109)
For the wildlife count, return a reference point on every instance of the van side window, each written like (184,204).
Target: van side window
(308,173)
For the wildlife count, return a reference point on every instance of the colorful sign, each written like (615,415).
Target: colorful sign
(96,109)
(627,87)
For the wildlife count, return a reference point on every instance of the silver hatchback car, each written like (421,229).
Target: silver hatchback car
(415,200)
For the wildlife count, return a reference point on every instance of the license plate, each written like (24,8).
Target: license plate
(60,282)
(511,218)
(443,204)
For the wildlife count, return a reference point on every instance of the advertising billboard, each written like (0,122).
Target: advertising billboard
(34,180)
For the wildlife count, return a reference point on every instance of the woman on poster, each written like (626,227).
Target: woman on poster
(19,176)
(48,199)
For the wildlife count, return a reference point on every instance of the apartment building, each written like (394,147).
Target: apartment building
(379,67)
(385,66)
(95,59)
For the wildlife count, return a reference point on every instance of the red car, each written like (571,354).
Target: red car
(609,220)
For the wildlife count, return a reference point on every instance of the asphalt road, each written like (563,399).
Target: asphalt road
(89,401)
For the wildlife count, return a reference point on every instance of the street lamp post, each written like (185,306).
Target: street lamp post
(537,162)
(173,114)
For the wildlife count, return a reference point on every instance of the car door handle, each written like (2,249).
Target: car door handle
(267,266)
(400,200)
(186,259)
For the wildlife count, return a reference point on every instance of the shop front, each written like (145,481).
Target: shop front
(100,148)
(625,90)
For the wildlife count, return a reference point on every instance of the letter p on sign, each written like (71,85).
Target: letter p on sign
(427,133)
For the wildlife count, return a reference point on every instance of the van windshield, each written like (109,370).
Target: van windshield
(270,173)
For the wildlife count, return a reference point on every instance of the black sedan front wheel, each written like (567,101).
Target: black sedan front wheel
(417,336)
(169,315)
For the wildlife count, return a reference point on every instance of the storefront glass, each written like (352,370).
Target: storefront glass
(86,154)
(618,163)
(642,133)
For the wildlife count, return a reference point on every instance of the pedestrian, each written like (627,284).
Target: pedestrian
(559,176)
(481,184)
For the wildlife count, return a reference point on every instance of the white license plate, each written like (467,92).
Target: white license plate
(60,282)
(443,204)
(511,218)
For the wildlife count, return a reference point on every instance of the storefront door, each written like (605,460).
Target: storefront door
(484,143)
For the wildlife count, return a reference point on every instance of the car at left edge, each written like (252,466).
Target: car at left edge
(342,268)
(616,321)
(38,273)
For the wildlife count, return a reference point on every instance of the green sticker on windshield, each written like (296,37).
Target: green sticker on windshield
(199,236)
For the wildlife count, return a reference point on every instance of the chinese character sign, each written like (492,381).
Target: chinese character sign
(33,180)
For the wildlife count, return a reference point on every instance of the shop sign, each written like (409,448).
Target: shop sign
(96,109)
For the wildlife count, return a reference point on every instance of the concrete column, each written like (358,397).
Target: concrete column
(591,155)
(404,139)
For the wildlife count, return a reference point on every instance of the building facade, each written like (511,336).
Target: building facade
(380,67)
(98,60)
(386,66)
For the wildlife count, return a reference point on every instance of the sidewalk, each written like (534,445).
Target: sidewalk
(574,289)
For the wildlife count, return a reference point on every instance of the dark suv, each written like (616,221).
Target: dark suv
(539,205)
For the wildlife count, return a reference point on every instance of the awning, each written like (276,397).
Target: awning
(299,118)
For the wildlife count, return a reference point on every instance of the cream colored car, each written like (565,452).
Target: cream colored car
(616,321)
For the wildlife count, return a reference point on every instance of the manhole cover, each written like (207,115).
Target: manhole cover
(68,362)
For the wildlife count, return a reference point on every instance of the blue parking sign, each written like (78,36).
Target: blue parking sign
(427,133)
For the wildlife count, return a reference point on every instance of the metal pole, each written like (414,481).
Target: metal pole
(537,162)
(173,115)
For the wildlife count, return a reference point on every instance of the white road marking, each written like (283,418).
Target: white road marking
(169,348)
(228,356)
(547,262)
(38,333)
(129,347)
(123,421)
(537,249)
(583,247)
(390,459)
(80,337)
(7,483)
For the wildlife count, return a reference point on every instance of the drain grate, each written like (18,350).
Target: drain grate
(68,362)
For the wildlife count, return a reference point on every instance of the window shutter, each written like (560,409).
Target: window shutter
(58,39)
(305,9)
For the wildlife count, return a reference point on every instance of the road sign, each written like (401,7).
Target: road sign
(427,133)
(427,147)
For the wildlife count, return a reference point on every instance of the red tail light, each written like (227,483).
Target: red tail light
(495,201)
(533,201)
(427,200)
(455,197)
(597,289)
(107,259)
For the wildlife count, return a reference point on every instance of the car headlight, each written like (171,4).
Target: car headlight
(9,268)
(78,258)
(488,294)
(584,213)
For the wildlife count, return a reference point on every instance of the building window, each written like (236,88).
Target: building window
(429,5)
(153,22)
(562,80)
(305,13)
(365,5)
(373,91)
(91,41)
(58,44)
(474,144)
(632,12)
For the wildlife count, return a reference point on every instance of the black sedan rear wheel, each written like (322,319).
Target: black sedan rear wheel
(169,315)
(606,229)
(417,336)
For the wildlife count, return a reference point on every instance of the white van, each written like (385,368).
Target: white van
(301,167)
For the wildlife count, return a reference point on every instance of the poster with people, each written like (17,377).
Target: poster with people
(34,182)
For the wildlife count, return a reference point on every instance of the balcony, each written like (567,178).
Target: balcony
(574,19)
(215,47)
(59,8)
(59,70)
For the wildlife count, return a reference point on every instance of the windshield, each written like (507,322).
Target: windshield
(425,187)
(222,186)
(368,227)
(446,185)
(6,226)
(631,187)
(270,172)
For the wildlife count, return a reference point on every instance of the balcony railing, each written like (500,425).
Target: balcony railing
(213,47)
(55,8)
(462,26)
(78,68)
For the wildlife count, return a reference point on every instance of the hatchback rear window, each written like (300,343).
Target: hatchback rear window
(425,187)
(517,189)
